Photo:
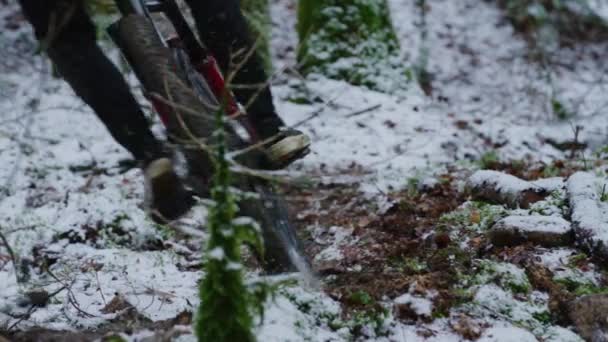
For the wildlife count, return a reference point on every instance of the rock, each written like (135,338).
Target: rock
(466,327)
(409,308)
(589,215)
(501,188)
(547,231)
(118,303)
(590,317)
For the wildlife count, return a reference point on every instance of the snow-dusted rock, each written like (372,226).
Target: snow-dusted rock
(548,231)
(411,308)
(589,217)
(502,188)
(590,316)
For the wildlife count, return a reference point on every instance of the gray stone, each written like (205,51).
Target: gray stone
(547,231)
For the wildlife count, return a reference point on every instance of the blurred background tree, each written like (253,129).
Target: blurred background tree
(351,40)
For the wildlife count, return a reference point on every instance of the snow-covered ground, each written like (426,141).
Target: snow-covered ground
(66,198)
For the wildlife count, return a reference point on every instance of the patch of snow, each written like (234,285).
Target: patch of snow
(507,334)
(538,223)
(588,214)
(558,260)
(505,183)
(421,306)
(217,253)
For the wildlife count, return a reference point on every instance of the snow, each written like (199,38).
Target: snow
(558,261)
(217,253)
(550,184)
(483,76)
(507,334)
(421,306)
(504,183)
(336,238)
(587,213)
(535,223)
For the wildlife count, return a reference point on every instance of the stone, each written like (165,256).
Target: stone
(547,231)
(501,188)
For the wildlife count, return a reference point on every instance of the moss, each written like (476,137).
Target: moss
(351,40)
(113,338)
(581,288)
(506,275)
(257,14)
(560,111)
(474,215)
(543,317)
(374,318)
(489,159)
(360,297)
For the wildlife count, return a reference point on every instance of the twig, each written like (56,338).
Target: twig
(10,251)
(33,308)
(365,110)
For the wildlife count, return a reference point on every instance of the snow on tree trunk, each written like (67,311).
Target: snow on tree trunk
(258,17)
(351,40)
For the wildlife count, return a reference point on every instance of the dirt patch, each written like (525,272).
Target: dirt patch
(403,249)
(534,170)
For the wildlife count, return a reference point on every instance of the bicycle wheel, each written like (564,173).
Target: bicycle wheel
(191,117)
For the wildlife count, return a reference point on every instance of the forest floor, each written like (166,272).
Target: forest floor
(402,248)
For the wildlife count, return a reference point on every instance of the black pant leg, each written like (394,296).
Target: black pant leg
(224,30)
(74,50)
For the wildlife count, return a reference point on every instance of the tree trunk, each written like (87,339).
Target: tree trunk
(258,17)
(351,40)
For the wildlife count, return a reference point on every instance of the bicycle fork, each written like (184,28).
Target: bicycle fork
(199,62)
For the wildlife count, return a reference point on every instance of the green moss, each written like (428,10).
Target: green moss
(257,14)
(113,338)
(506,275)
(374,318)
(543,317)
(474,215)
(488,160)
(360,298)
(581,288)
(560,111)
(351,40)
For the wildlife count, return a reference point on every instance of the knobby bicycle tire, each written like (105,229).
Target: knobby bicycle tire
(157,70)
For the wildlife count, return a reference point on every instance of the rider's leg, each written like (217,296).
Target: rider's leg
(64,28)
(66,31)
(224,31)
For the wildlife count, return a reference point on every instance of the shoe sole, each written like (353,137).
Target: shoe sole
(289,149)
(161,176)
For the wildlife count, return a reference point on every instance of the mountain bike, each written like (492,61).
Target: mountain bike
(181,79)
